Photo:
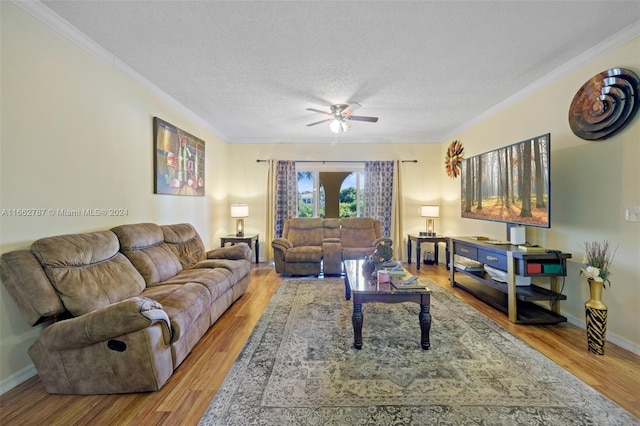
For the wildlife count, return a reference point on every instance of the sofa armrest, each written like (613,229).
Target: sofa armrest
(281,244)
(234,252)
(385,240)
(127,316)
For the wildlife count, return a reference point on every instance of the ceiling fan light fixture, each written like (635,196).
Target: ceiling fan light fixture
(339,126)
(341,116)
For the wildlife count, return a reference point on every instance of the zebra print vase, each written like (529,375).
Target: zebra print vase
(596,312)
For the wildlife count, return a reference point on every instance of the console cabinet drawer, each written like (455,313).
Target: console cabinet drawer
(492,259)
(467,251)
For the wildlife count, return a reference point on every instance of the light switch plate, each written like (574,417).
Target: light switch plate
(632,214)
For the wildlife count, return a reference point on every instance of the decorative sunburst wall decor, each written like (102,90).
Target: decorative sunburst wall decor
(453,159)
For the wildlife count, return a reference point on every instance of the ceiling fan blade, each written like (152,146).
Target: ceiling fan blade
(318,122)
(349,110)
(317,110)
(361,118)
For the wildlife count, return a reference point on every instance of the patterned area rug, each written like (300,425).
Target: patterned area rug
(299,367)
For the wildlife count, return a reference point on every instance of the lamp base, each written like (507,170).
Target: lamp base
(240,228)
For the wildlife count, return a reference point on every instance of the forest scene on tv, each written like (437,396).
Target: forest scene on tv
(510,184)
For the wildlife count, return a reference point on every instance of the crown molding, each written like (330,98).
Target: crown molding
(599,50)
(71,33)
(54,21)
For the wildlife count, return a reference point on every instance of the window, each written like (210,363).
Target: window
(348,201)
(351,195)
(310,195)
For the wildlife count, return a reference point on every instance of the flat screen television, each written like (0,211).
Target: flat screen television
(510,184)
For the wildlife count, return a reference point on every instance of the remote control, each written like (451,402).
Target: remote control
(410,280)
(397,266)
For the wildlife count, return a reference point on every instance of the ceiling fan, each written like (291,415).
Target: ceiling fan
(340,115)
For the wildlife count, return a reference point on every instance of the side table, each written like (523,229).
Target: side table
(419,239)
(248,238)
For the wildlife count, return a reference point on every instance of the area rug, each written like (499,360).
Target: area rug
(299,367)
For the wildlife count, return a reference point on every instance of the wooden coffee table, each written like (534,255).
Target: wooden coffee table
(365,290)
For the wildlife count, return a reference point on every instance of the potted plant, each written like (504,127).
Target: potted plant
(597,262)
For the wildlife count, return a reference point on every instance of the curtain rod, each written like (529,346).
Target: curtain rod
(335,161)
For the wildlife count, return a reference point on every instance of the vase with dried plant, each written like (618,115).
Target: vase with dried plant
(597,262)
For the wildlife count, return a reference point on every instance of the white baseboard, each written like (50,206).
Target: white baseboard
(17,378)
(611,337)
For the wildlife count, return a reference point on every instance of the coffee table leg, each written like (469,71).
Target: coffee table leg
(357,321)
(425,325)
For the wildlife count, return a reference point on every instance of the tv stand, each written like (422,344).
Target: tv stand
(522,303)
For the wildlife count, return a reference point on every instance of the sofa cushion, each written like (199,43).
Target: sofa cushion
(185,243)
(183,303)
(217,280)
(26,281)
(358,232)
(305,232)
(144,245)
(331,228)
(238,268)
(304,254)
(87,270)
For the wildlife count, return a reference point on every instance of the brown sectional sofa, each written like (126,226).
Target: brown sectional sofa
(311,245)
(127,305)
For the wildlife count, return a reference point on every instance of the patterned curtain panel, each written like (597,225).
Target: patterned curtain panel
(286,203)
(378,192)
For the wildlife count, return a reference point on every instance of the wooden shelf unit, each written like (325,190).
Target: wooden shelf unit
(517,301)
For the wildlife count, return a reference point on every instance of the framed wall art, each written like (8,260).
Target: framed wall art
(178,161)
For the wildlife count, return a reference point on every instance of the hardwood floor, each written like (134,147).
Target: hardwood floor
(188,392)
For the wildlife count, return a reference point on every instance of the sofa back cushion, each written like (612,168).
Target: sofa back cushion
(304,231)
(24,278)
(87,270)
(185,243)
(359,231)
(331,228)
(144,245)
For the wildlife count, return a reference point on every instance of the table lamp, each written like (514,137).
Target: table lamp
(239,212)
(430,212)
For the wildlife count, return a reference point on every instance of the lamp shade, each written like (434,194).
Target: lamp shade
(239,210)
(430,211)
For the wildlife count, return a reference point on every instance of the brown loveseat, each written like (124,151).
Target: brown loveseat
(127,305)
(311,245)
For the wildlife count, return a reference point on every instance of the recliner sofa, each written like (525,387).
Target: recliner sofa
(127,305)
(309,246)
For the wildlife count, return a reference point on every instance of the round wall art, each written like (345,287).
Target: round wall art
(453,159)
(605,104)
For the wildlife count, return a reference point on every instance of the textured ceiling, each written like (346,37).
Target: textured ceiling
(425,68)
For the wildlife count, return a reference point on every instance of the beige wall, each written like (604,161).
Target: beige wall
(420,181)
(77,134)
(591,184)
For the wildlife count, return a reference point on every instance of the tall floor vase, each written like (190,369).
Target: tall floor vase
(596,312)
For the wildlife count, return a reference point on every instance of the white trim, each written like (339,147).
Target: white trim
(64,28)
(77,37)
(17,378)
(599,50)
